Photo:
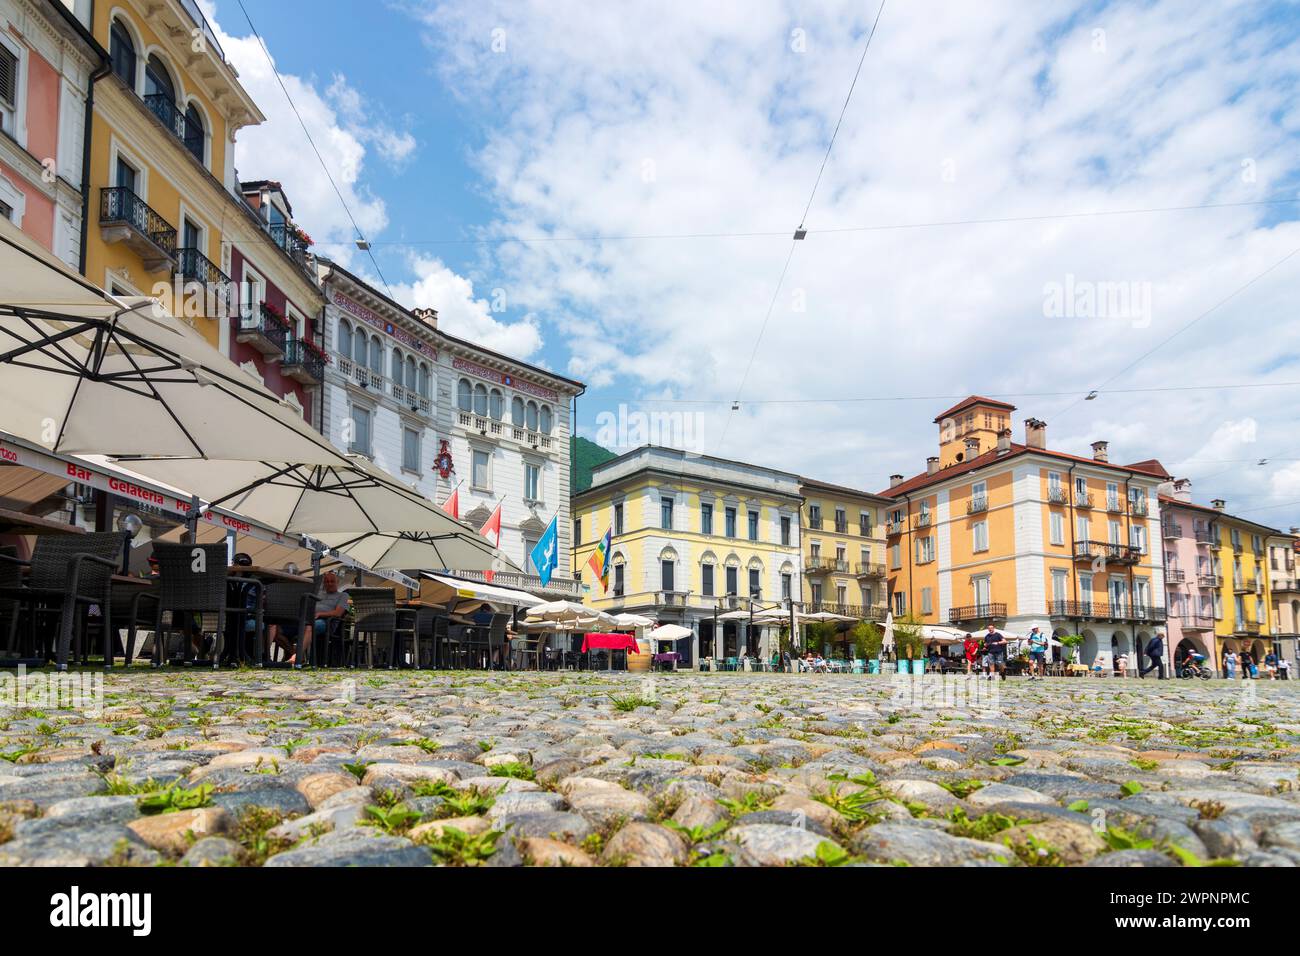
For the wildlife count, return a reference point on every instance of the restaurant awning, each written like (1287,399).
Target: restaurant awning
(84,372)
(442,589)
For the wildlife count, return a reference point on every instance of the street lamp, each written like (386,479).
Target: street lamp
(131,524)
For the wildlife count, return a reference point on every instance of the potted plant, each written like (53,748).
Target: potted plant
(1070,647)
(867,639)
(909,640)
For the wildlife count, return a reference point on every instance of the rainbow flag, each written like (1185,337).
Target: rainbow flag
(600,558)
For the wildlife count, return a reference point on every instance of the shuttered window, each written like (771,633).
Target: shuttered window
(8,88)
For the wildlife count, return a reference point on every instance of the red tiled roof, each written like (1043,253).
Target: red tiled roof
(989,457)
(974,400)
(1152,465)
(1175,502)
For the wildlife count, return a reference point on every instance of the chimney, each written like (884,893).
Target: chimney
(1218,504)
(1183,489)
(895,480)
(972,448)
(932,464)
(1099,451)
(1004,441)
(1035,433)
(1295,530)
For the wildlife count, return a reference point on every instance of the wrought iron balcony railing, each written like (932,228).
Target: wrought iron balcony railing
(128,218)
(263,330)
(978,612)
(1058,496)
(171,115)
(1105,551)
(976,505)
(302,363)
(194,265)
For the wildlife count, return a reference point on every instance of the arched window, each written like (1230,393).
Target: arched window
(480,400)
(122,52)
(345,339)
(376,356)
(544,421)
(424,380)
(496,404)
(397,366)
(532,416)
(517,412)
(359,349)
(410,372)
(195,136)
(464,395)
(158,82)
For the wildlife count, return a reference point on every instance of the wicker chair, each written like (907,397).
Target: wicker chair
(132,606)
(376,612)
(11,577)
(186,587)
(292,604)
(69,572)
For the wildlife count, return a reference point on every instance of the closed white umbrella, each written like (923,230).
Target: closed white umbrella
(83,372)
(887,641)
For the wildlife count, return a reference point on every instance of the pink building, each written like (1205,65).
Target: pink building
(1191,575)
(47,62)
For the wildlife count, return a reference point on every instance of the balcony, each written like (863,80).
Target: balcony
(412,399)
(1196,622)
(1209,581)
(978,612)
(1106,552)
(491,427)
(864,529)
(1205,536)
(815,522)
(173,116)
(1138,507)
(976,505)
(288,238)
(1115,505)
(1246,629)
(263,330)
(1105,611)
(193,265)
(1236,547)
(1082,500)
(303,363)
(1175,576)
(894,527)
(1285,584)
(820,565)
(1242,587)
(671,599)
(861,612)
(126,218)
(1171,529)
(841,527)
(923,520)
(571,587)
(869,569)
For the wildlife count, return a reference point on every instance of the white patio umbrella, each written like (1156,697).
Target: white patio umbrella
(349,495)
(670,632)
(827,616)
(454,549)
(568,612)
(83,372)
(887,645)
(632,620)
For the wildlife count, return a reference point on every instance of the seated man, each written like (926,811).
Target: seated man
(331,605)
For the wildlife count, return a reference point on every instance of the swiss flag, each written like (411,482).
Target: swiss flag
(492,528)
(452,504)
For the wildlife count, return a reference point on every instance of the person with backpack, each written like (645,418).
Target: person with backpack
(1155,650)
(1037,653)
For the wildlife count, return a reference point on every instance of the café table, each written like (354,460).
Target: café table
(18,522)
(611,642)
(671,657)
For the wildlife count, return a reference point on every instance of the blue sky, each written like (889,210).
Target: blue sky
(445,119)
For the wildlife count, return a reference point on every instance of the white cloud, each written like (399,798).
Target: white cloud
(628,119)
(464,315)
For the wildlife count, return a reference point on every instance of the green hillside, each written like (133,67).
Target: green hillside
(585,456)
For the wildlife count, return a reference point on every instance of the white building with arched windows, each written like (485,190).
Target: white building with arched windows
(397,388)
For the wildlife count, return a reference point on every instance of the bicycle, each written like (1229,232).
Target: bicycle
(1192,669)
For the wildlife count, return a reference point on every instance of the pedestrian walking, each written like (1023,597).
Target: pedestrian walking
(1155,650)
(1037,653)
(971,649)
(996,644)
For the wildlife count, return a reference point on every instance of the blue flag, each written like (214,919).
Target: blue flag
(546,555)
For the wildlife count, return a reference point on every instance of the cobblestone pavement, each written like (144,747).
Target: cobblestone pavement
(330,768)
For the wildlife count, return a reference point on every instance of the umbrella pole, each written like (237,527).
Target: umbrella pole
(192,521)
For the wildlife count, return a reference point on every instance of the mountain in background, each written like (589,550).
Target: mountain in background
(585,455)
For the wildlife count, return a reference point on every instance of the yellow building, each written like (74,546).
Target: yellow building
(162,178)
(843,534)
(697,541)
(1018,535)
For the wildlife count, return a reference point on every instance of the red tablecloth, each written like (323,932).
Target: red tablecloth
(616,642)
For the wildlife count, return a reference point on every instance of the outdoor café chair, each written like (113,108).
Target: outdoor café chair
(67,574)
(289,603)
(132,606)
(11,577)
(191,589)
(375,613)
